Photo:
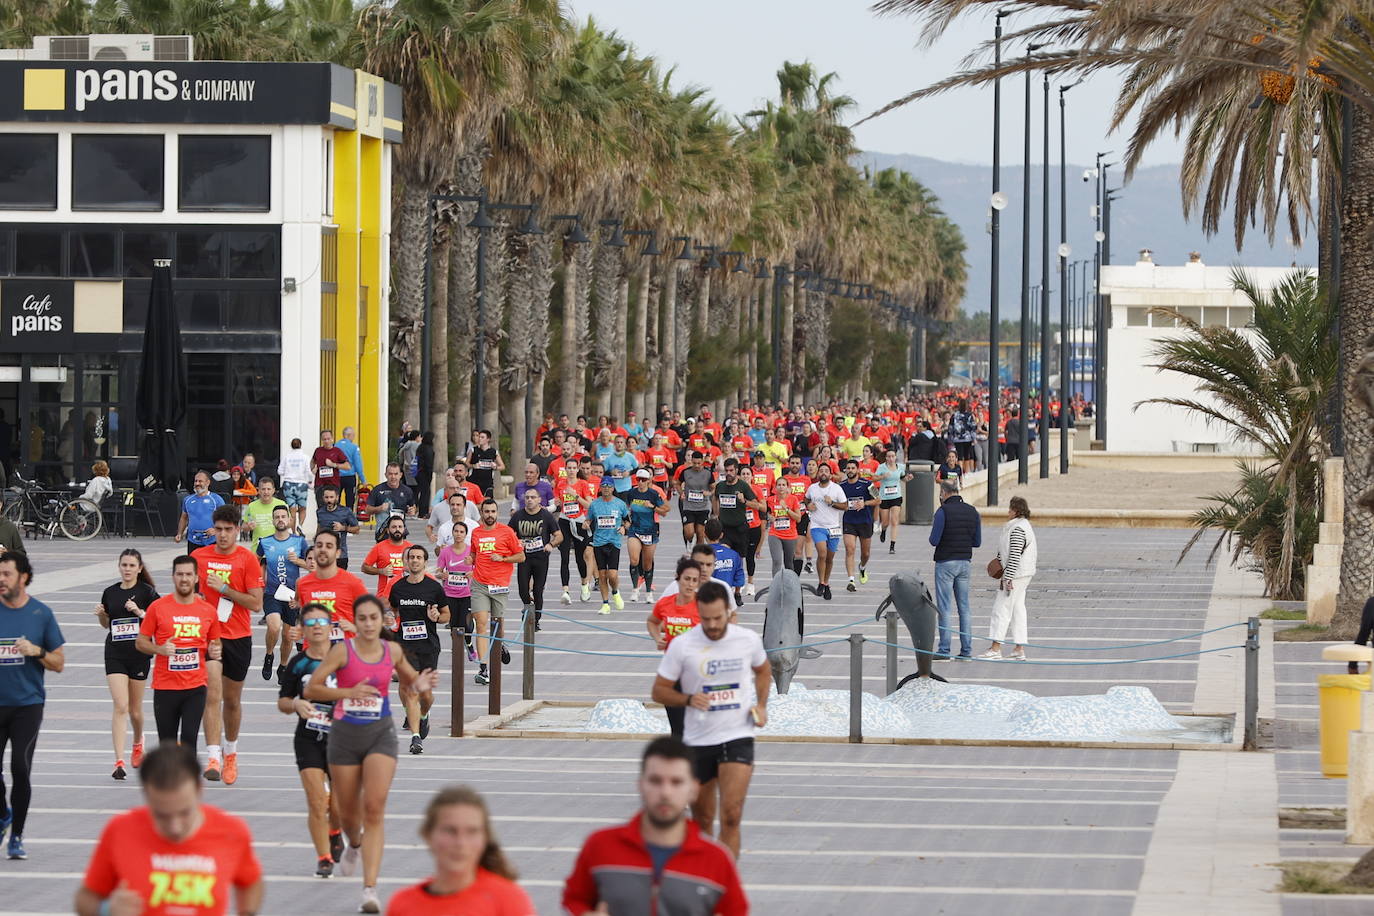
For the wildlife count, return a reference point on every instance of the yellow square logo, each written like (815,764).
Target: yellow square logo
(45,90)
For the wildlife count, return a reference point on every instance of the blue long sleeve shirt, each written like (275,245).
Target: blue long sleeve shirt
(937,529)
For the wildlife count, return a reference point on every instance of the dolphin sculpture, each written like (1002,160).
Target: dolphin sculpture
(782,626)
(908,594)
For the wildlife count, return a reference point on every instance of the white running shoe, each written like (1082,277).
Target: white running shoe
(352,858)
(649,597)
(634,595)
(749,590)
(586,592)
(605,609)
(991,653)
(566,599)
(370,902)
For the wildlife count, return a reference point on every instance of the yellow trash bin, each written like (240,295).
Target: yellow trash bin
(1339,696)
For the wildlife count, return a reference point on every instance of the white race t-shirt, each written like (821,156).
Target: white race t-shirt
(824,515)
(723,669)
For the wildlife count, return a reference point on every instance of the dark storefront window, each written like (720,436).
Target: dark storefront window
(28,171)
(38,252)
(142,248)
(225,173)
(253,255)
(200,254)
(233,405)
(117,172)
(92,254)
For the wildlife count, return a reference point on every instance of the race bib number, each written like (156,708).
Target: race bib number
(856,504)
(696,495)
(605,521)
(617,473)
(487,464)
(363,707)
(783,523)
(834,532)
(326,473)
(729,500)
(124,629)
(890,491)
(320,718)
(722,697)
(184,660)
(336,634)
(498,589)
(458,580)
(9,653)
(414,629)
(645,538)
(533,543)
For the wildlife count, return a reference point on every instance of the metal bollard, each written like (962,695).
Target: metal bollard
(891,618)
(856,688)
(494,668)
(456,716)
(527,678)
(1251,738)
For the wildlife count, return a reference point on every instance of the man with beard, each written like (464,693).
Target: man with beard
(387,559)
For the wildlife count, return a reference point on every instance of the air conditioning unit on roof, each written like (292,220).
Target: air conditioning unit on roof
(106,48)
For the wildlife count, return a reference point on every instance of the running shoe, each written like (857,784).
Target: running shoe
(963,658)
(649,597)
(16,849)
(851,587)
(586,592)
(605,609)
(405,724)
(424,727)
(618,601)
(472,654)
(749,590)
(808,567)
(882,536)
(118,770)
(324,868)
(1018,656)
(990,654)
(634,596)
(566,599)
(336,845)
(505,654)
(212,769)
(352,858)
(892,548)
(137,759)
(481,677)
(281,673)
(267,661)
(863,576)
(231,769)
(828,593)
(417,746)
(370,902)
(940,657)
(5,825)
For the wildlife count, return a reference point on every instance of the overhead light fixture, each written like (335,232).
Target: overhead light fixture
(483,219)
(686,253)
(531,225)
(577,236)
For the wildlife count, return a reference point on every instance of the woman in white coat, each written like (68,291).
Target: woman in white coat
(1017,556)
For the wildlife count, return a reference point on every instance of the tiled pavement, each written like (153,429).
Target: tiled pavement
(829,828)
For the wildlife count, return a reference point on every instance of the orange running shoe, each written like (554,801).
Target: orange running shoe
(137,760)
(212,769)
(231,769)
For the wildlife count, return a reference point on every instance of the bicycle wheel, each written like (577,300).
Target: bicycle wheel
(14,510)
(80,520)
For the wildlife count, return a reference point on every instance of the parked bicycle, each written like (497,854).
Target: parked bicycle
(47,512)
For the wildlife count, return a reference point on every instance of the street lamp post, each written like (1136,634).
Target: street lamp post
(1098,309)
(1045,340)
(999,203)
(1022,458)
(1065,332)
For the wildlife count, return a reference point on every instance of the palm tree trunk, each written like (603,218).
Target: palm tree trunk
(584,255)
(788,332)
(568,401)
(667,379)
(766,333)
(619,375)
(462,320)
(495,296)
(604,313)
(1357,372)
(646,332)
(515,372)
(541,267)
(703,319)
(437,422)
(407,317)
(690,281)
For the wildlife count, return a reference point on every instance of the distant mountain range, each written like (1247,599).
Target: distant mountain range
(1149,214)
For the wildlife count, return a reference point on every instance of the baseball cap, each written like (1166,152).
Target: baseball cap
(644,474)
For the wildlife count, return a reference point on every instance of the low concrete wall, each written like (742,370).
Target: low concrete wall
(1096,518)
(975,489)
(1161,462)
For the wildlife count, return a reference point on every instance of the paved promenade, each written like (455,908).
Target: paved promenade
(829,828)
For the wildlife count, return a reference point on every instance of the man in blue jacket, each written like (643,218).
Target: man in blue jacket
(956,531)
(352,476)
(729,569)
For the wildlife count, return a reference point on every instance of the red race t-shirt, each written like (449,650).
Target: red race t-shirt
(798,483)
(488,895)
(677,618)
(337,593)
(323,473)
(780,524)
(195,877)
(240,570)
(192,627)
(388,556)
(487,542)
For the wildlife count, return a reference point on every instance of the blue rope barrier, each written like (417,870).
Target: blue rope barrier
(589,624)
(516,642)
(1131,645)
(1013,661)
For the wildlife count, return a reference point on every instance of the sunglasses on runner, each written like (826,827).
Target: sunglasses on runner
(316,622)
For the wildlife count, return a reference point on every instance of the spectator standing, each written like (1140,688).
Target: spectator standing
(955,532)
(1016,554)
(352,476)
(408,457)
(295,480)
(424,469)
(484,462)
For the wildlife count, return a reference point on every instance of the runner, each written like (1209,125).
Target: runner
(694,482)
(647,506)
(713,663)
(120,611)
(497,552)
(311,739)
(784,515)
(824,500)
(362,739)
(610,519)
(484,462)
(295,480)
(257,515)
(672,616)
(620,464)
(729,499)
(963,428)
(454,568)
(231,576)
(419,603)
(858,521)
(174,854)
(471,874)
(660,855)
(727,566)
(328,462)
(197,514)
(573,496)
(798,481)
(185,634)
(331,515)
(540,536)
(890,477)
(328,584)
(283,558)
(30,646)
(387,559)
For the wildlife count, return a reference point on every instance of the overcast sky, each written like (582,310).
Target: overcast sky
(735,48)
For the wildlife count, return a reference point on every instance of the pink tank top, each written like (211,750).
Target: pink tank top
(357,671)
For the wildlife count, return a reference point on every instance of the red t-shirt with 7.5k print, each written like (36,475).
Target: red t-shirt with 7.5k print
(240,570)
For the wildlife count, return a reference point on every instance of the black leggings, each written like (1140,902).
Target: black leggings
(20,725)
(535,569)
(573,544)
(178,714)
(737,539)
(753,538)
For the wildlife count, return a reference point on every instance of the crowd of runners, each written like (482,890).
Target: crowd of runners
(803,483)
